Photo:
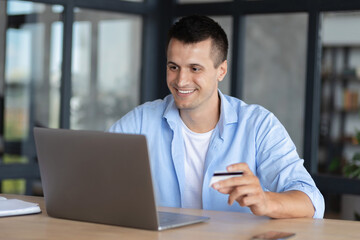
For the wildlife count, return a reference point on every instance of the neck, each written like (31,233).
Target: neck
(201,121)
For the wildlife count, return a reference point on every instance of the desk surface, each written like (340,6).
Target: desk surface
(222,225)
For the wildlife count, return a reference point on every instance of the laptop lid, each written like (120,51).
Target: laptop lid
(99,177)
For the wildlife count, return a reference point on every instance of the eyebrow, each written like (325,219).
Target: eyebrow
(196,64)
(170,62)
(191,64)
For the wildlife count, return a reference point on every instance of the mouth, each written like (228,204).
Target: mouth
(185,91)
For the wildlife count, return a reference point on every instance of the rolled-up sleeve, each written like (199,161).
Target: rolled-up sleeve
(314,194)
(280,168)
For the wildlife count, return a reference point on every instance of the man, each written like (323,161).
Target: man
(197,131)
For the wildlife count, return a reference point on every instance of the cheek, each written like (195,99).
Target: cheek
(170,77)
(198,80)
(207,80)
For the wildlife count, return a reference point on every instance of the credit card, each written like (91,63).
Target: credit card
(219,176)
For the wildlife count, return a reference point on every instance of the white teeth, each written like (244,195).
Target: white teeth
(185,91)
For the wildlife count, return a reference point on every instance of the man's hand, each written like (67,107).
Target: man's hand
(247,191)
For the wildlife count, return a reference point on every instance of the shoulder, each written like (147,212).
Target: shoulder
(259,120)
(156,107)
(159,104)
(133,121)
(252,119)
(247,112)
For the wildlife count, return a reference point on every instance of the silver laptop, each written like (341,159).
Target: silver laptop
(101,177)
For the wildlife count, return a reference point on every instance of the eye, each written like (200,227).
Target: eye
(195,69)
(173,67)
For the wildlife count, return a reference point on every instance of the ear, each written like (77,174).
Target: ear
(222,70)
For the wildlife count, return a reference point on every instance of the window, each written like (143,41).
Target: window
(274,67)
(105,68)
(32,79)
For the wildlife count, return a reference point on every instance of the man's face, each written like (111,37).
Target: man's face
(191,75)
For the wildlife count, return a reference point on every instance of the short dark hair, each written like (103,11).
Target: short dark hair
(195,28)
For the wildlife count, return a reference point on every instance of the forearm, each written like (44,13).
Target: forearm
(289,204)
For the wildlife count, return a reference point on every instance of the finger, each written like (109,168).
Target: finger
(256,204)
(238,199)
(239,167)
(240,192)
(225,190)
(248,200)
(236,181)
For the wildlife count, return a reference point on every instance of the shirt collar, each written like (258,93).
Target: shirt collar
(228,114)
(171,113)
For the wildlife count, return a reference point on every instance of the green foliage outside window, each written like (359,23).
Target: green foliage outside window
(351,169)
(14,186)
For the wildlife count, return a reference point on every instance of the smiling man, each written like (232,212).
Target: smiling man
(196,131)
(192,78)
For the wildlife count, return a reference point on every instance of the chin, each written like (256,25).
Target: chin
(182,106)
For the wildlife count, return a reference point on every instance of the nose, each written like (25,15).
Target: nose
(183,78)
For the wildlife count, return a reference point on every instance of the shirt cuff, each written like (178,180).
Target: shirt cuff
(315,196)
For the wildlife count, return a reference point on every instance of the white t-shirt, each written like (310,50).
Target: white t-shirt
(196,146)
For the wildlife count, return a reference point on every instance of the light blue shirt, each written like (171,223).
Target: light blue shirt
(244,133)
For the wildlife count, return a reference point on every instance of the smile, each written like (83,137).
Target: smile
(185,92)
